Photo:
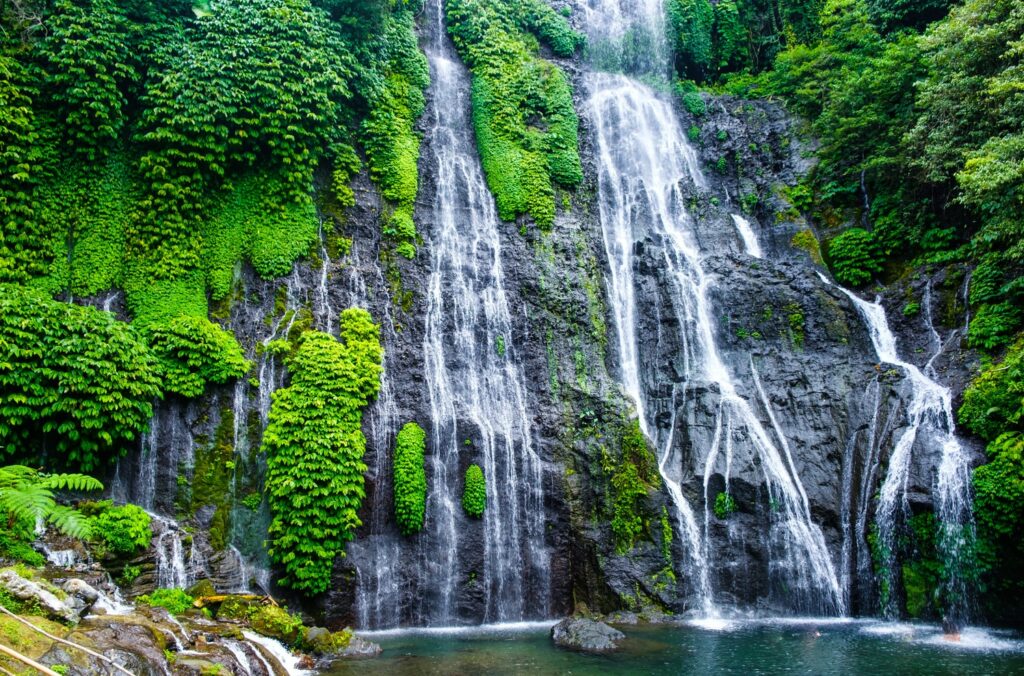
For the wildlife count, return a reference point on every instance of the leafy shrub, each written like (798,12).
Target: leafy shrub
(175,600)
(854,257)
(193,351)
(73,383)
(90,69)
(410,479)
(474,491)
(315,445)
(694,104)
(725,505)
(392,145)
(129,574)
(123,529)
(994,402)
(994,325)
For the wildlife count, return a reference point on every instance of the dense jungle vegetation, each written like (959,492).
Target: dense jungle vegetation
(153,146)
(919,109)
(156,146)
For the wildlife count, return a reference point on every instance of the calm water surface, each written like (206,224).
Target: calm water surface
(748,647)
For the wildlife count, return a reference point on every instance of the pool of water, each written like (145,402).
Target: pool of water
(779,646)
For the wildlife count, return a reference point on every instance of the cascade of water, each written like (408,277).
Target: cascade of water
(929,422)
(750,243)
(475,383)
(322,306)
(378,592)
(644,158)
(108,302)
(287,661)
(238,650)
(177,564)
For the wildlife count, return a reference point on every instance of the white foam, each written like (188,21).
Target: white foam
(469,630)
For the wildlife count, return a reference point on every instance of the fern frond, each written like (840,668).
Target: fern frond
(71,482)
(12,475)
(70,522)
(27,501)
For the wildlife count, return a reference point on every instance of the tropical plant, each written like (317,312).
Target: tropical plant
(853,257)
(410,481)
(314,445)
(474,491)
(123,529)
(27,497)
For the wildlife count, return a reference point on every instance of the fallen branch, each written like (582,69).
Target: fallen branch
(62,641)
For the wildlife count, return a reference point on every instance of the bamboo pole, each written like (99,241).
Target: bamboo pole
(25,660)
(50,636)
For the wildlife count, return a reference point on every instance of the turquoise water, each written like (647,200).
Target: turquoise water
(748,647)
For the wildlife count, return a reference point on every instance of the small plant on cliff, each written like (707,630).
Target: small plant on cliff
(176,601)
(474,494)
(410,479)
(725,505)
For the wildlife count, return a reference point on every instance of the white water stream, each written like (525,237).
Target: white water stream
(644,163)
(930,423)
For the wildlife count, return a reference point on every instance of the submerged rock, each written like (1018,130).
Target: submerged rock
(360,648)
(586,635)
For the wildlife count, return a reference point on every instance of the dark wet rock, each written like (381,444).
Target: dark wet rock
(586,635)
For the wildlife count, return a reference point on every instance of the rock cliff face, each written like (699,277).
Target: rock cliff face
(797,349)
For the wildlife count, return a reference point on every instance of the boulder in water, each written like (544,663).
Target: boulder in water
(586,635)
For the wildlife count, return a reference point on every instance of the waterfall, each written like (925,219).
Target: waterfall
(930,423)
(379,589)
(750,243)
(475,383)
(644,162)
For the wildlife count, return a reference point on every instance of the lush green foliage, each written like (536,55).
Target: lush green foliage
(122,529)
(392,145)
(410,478)
(176,601)
(853,257)
(192,351)
(711,39)
(314,446)
(474,491)
(26,497)
(630,476)
(526,125)
(75,386)
(725,505)
(153,148)
(993,409)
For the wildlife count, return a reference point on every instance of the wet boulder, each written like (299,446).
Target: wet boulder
(586,635)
